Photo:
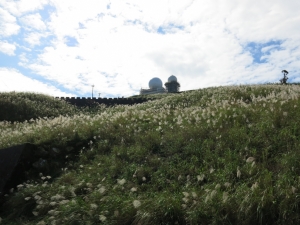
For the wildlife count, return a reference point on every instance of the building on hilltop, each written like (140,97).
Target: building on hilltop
(172,85)
(155,86)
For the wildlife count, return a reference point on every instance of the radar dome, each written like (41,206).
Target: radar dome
(155,83)
(172,78)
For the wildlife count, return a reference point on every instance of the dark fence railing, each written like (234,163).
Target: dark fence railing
(81,102)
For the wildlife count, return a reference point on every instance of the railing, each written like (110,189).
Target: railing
(107,101)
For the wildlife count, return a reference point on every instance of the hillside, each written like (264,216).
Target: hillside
(220,155)
(21,106)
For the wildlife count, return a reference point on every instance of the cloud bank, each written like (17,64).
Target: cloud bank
(118,46)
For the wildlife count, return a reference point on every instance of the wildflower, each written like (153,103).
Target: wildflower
(285,113)
(53,212)
(52,203)
(254,186)
(27,198)
(37,197)
(227,184)
(200,177)
(185,194)
(213,193)
(144,179)
(211,170)
(185,200)
(136,203)
(133,189)
(35,213)
(40,202)
(40,223)
(20,186)
(194,194)
(63,202)
(238,173)
(94,206)
(217,186)
(250,159)
(225,197)
(121,182)
(102,190)
(57,197)
(116,213)
(207,198)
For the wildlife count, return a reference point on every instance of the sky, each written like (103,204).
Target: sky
(112,48)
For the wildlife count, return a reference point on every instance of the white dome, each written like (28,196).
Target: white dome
(172,78)
(155,83)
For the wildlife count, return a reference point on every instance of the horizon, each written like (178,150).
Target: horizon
(63,48)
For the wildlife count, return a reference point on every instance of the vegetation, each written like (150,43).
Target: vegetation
(220,155)
(21,106)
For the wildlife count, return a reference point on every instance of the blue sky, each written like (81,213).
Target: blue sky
(62,48)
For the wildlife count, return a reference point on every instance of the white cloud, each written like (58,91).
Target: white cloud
(13,80)
(8,24)
(34,38)
(18,8)
(33,21)
(7,48)
(118,48)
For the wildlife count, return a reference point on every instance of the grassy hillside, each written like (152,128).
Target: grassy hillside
(21,106)
(222,155)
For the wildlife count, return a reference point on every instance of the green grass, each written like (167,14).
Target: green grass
(21,106)
(220,155)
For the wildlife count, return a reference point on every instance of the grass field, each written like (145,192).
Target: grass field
(219,155)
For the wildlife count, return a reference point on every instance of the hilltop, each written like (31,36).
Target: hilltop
(219,155)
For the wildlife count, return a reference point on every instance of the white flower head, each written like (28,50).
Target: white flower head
(186,194)
(254,186)
(122,181)
(133,189)
(250,160)
(136,203)
(225,197)
(194,194)
(227,184)
(102,190)
(102,218)
(213,193)
(94,206)
(200,177)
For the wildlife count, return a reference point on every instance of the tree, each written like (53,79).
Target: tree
(285,78)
